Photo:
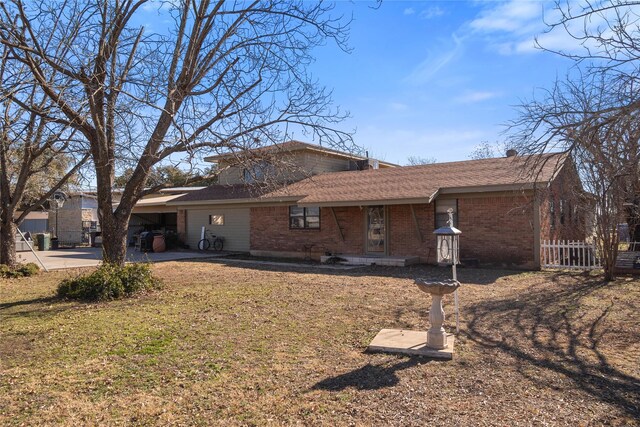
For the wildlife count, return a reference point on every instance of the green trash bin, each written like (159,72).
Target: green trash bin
(44,242)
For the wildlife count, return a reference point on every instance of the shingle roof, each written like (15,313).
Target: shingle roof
(290,146)
(383,186)
(420,182)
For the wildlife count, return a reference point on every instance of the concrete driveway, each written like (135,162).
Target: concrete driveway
(89,257)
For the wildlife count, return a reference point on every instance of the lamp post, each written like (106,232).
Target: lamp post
(58,199)
(448,251)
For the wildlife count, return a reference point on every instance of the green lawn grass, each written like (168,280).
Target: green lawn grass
(224,344)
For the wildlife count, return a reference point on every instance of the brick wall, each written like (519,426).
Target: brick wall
(69,221)
(497,230)
(404,238)
(270,231)
(563,188)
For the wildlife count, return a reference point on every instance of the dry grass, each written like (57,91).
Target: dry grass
(225,344)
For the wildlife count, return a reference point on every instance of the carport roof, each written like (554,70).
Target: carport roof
(157,201)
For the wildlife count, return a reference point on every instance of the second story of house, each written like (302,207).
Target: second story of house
(288,162)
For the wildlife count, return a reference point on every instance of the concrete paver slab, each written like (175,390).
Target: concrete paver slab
(413,343)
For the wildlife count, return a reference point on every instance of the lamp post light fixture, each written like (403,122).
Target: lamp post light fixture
(448,252)
(58,199)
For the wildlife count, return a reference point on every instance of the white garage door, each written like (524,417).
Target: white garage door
(231,223)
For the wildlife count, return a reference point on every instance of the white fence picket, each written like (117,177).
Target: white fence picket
(570,254)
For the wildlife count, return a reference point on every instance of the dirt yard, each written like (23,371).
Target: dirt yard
(257,345)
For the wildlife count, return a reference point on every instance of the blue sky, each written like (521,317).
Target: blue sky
(433,78)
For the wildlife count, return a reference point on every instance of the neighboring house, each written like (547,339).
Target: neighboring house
(76,219)
(35,222)
(503,212)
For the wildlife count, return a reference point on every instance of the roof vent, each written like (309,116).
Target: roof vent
(511,152)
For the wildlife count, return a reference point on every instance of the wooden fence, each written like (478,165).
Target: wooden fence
(573,254)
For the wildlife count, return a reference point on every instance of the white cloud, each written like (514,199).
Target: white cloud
(430,66)
(513,27)
(431,12)
(476,96)
(398,106)
(159,5)
(514,16)
(409,11)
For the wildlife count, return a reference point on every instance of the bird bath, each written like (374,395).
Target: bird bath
(438,344)
(436,336)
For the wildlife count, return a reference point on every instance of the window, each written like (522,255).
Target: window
(552,213)
(563,204)
(216,219)
(442,214)
(301,218)
(258,172)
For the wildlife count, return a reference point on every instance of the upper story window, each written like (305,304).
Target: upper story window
(258,172)
(442,214)
(301,218)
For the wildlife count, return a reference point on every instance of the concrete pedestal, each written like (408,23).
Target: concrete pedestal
(413,343)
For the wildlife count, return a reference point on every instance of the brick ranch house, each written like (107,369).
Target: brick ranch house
(388,211)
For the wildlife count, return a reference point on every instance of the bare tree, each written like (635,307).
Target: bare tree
(224,76)
(37,155)
(417,160)
(593,118)
(486,150)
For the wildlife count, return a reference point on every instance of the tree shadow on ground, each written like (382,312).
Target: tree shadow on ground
(550,328)
(38,307)
(43,300)
(478,276)
(368,377)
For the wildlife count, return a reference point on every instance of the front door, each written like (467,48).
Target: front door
(376,230)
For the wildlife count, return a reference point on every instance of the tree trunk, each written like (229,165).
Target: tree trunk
(634,229)
(114,240)
(8,242)
(609,257)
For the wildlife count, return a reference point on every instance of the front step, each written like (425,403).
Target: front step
(372,260)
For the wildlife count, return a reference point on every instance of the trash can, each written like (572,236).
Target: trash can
(54,243)
(146,241)
(159,244)
(44,241)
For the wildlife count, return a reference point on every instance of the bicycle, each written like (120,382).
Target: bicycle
(210,240)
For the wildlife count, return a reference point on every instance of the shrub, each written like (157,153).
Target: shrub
(110,282)
(28,269)
(21,270)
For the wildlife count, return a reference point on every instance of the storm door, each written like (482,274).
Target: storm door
(376,230)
